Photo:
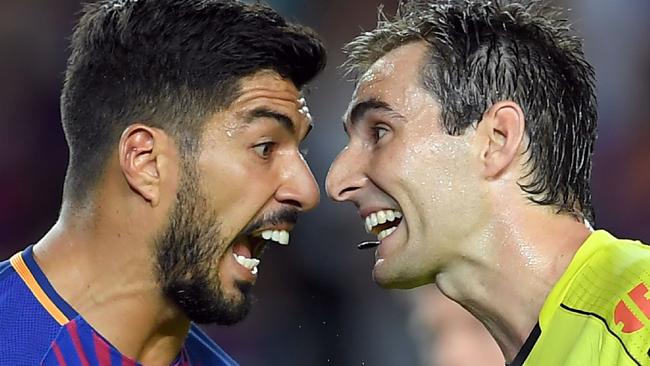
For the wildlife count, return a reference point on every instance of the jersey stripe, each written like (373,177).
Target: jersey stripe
(59,356)
(128,362)
(74,334)
(66,345)
(102,351)
(527,347)
(21,268)
(609,330)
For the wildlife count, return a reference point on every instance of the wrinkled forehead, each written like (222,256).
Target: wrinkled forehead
(267,84)
(268,88)
(266,93)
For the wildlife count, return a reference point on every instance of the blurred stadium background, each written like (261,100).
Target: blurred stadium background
(316,304)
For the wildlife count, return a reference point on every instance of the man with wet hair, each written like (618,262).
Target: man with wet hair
(184,120)
(471,131)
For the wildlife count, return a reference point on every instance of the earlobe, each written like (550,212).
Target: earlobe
(138,156)
(503,129)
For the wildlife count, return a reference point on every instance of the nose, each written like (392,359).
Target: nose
(299,186)
(345,177)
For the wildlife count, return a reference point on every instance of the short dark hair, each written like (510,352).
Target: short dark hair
(170,64)
(481,52)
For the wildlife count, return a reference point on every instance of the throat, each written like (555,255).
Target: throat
(498,301)
(149,329)
(165,346)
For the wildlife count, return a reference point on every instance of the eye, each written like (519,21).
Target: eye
(379,131)
(264,149)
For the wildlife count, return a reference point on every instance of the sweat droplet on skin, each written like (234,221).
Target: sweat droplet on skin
(533,260)
(436,177)
(231,128)
(382,69)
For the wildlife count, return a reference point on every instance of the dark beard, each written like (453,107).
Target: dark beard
(188,253)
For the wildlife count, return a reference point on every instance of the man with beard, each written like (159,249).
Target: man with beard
(471,132)
(184,120)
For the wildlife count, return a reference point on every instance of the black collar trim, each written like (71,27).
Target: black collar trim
(527,347)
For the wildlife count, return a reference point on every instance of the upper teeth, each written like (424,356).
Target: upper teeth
(250,263)
(279,236)
(380,217)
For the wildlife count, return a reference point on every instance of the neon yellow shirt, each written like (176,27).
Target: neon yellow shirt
(598,313)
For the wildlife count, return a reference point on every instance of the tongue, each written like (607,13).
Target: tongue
(387,225)
(241,249)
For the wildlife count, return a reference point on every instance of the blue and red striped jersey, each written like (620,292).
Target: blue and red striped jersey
(38,327)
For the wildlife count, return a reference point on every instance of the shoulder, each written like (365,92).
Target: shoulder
(202,349)
(626,247)
(15,295)
(613,287)
(618,266)
(6,270)
(10,288)
(26,329)
(613,276)
(613,268)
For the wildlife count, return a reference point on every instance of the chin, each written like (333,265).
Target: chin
(393,282)
(391,278)
(204,303)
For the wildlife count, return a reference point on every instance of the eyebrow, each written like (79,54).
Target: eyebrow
(264,112)
(284,120)
(360,109)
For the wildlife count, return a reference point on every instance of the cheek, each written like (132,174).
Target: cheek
(439,177)
(235,190)
(240,199)
(229,180)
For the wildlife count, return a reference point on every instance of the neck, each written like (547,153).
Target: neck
(96,264)
(506,288)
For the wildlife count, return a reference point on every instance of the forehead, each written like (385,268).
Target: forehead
(266,86)
(393,73)
(263,94)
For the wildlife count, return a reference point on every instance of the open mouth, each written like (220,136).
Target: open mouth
(383,222)
(248,249)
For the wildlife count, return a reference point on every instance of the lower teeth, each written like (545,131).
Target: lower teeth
(246,263)
(385,233)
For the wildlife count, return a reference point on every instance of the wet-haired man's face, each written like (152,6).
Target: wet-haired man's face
(244,191)
(415,186)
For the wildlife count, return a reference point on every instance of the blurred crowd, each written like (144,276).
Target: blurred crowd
(316,303)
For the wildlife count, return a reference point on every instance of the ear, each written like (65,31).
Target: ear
(502,130)
(139,160)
